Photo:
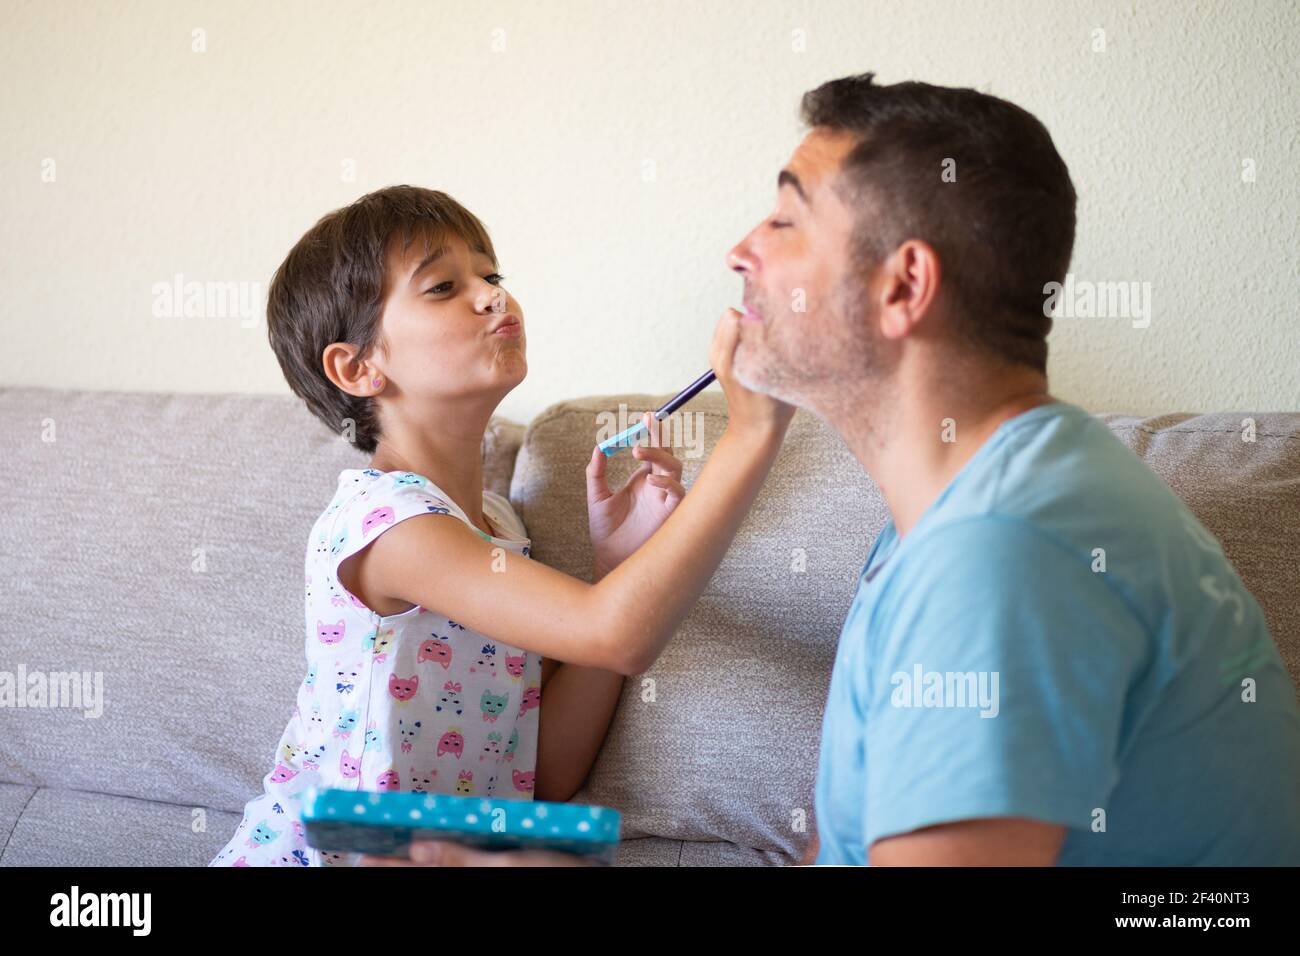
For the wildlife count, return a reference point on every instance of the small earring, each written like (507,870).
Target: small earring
(376,382)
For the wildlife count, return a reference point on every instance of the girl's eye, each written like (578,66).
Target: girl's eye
(494,278)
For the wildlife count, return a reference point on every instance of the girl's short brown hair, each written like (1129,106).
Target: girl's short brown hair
(332,286)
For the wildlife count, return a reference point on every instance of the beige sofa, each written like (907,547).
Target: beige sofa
(158,540)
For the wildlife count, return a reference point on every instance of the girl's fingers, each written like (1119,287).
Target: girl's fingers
(597,485)
(672,487)
(664,461)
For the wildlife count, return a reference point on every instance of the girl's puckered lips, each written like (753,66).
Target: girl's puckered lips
(508,326)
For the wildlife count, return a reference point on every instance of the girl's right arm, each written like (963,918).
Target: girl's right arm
(622,622)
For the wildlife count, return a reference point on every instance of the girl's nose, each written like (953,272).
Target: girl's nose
(490,298)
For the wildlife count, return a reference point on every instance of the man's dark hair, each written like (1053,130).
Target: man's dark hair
(332,285)
(1003,229)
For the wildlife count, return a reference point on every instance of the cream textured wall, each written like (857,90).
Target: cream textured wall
(127,158)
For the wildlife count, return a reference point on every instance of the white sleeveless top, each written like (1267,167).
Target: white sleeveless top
(412,701)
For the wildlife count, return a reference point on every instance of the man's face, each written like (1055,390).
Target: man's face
(453,331)
(806,307)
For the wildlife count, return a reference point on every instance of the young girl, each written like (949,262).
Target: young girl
(431,642)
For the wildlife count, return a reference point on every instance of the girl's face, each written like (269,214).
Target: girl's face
(453,331)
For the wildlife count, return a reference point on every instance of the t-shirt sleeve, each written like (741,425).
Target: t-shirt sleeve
(997,680)
(384,503)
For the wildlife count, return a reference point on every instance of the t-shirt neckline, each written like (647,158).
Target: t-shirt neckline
(991,444)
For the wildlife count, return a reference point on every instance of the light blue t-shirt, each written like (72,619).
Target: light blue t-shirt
(1059,638)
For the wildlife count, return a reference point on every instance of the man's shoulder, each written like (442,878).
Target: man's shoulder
(1071,477)
(1068,490)
(973,560)
(981,544)
(998,573)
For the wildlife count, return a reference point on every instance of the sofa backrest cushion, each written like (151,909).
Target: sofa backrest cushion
(158,539)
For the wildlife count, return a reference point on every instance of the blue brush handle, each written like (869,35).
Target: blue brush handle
(623,439)
(628,436)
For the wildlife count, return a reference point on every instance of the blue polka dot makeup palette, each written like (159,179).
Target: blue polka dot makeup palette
(385,823)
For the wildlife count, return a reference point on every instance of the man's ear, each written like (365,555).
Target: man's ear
(907,283)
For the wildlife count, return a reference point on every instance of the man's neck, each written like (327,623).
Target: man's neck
(916,441)
(446,448)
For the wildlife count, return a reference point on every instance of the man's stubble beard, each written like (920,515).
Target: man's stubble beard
(829,373)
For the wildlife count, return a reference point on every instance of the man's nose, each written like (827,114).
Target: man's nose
(741,257)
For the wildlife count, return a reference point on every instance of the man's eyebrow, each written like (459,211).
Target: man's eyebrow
(787,178)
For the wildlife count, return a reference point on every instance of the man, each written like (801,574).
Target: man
(1048,659)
